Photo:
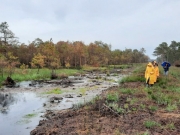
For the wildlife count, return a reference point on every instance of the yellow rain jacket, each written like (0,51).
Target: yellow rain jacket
(156,68)
(150,74)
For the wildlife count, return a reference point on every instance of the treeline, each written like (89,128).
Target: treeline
(40,53)
(75,54)
(171,53)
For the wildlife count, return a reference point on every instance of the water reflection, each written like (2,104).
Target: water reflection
(29,84)
(14,106)
(6,99)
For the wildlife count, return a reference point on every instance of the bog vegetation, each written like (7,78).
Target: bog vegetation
(155,110)
(130,109)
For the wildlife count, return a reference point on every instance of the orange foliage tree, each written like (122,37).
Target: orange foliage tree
(38,61)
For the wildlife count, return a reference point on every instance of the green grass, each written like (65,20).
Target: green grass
(153,108)
(145,133)
(132,101)
(161,98)
(151,124)
(112,97)
(175,89)
(31,74)
(170,126)
(126,91)
(28,116)
(54,91)
(171,108)
(123,66)
(132,78)
(83,91)
(162,82)
(90,68)
(116,108)
(26,119)
(142,106)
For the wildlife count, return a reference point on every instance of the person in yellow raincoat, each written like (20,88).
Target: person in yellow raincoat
(156,68)
(150,74)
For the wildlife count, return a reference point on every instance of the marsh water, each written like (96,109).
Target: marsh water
(21,113)
(21,108)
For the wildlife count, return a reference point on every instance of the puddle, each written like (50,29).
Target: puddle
(28,84)
(13,116)
(25,84)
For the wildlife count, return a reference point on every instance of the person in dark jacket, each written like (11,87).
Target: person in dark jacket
(166,69)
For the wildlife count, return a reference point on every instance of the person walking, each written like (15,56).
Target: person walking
(150,74)
(166,66)
(156,68)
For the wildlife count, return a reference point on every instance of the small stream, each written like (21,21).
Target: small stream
(21,108)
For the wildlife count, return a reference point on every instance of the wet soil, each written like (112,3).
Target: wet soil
(96,118)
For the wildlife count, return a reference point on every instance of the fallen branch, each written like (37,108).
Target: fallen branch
(167,131)
(111,109)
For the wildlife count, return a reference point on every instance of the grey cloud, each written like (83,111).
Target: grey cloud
(121,23)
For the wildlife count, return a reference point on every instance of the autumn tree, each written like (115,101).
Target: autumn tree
(3,64)
(138,56)
(79,53)
(23,53)
(12,62)
(63,52)
(104,51)
(116,57)
(52,57)
(38,61)
(93,54)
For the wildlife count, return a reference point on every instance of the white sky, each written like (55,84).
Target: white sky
(131,24)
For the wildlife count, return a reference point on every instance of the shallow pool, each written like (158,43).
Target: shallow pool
(21,114)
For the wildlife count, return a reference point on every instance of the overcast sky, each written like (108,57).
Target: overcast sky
(131,24)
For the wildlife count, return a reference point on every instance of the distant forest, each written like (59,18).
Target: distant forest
(40,53)
(170,53)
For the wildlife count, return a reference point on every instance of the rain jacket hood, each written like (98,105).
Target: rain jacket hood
(149,64)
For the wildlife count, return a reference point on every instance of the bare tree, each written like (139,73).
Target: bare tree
(6,35)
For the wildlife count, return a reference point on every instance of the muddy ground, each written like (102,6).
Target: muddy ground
(98,119)
(74,89)
(39,96)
